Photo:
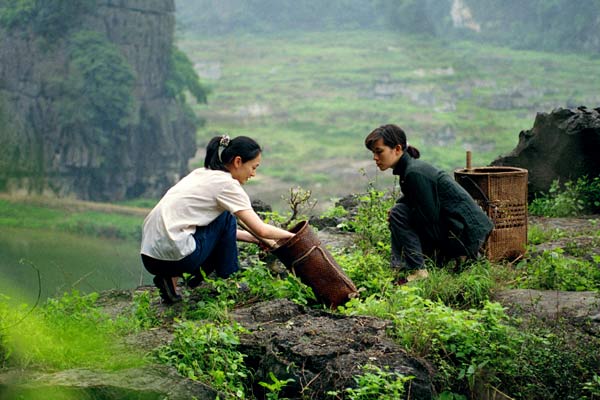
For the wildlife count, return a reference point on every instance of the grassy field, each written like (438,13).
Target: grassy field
(311,98)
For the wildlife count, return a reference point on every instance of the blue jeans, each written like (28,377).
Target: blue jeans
(216,250)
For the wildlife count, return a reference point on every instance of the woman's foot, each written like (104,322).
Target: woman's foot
(166,289)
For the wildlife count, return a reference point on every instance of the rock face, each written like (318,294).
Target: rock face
(138,151)
(561,145)
(322,352)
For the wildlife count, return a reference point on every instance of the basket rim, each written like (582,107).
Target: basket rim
(491,170)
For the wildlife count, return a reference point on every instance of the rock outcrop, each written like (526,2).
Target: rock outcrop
(561,145)
(51,140)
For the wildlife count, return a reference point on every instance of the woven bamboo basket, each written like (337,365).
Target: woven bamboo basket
(314,265)
(502,194)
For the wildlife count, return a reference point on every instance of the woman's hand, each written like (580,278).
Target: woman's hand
(252,222)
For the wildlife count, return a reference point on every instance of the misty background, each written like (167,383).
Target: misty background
(310,79)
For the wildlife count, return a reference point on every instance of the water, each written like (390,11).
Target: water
(65,262)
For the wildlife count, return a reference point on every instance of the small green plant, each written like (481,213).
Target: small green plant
(208,352)
(570,199)
(68,332)
(468,289)
(553,271)
(593,386)
(537,235)
(182,77)
(377,383)
(144,314)
(275,387)
(371,223)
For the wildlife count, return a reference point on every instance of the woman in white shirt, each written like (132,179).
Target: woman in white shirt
(194,225)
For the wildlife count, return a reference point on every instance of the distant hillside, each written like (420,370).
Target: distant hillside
(557,25)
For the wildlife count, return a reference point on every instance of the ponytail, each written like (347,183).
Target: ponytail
(221,150)
(392,136)
(412,151)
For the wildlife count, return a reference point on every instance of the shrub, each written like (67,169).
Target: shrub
(207,352)
(571,199)
(553,271)
(49,18)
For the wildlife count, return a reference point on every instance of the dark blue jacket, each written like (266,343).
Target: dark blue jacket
(441,210)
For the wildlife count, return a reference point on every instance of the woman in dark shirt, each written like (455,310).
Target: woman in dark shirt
(435,217)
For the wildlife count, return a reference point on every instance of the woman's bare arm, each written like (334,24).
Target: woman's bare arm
(261,229)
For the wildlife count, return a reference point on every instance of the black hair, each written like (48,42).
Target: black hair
(220,151)
(392,136)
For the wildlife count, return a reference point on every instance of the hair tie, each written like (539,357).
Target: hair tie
(223,143)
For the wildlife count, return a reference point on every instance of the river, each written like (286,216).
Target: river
(65,262)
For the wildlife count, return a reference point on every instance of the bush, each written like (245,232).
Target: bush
(49,18)
(97,97)
(569,200)
(207,352)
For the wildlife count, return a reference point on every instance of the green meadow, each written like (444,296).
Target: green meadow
(310,98)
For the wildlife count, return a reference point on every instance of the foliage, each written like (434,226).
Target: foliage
(144,313)
(571,199)
(69,332)
(371,223)
(97,97)
(369,271)
(537,235)
(538,24)
(377,383)
(182,76)
(208,352)
(552,364)
(49,18)
(47,215)
(316,139)
(470,288)
(553,271)
(275,387)
(462,344)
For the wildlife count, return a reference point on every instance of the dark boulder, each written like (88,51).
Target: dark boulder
(561,145)
(320,351)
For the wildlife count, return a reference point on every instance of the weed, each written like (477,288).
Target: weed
(570,199)
(553,271)
(207,352)
(275,387)
(377,383)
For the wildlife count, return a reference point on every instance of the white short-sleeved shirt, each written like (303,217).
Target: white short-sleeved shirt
(196,200)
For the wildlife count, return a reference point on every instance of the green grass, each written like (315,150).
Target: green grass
(316,98)
(50,216)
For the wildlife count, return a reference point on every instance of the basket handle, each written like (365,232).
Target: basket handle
(476,186)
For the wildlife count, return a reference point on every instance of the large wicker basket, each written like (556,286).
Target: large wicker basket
(502,193)
(314,265)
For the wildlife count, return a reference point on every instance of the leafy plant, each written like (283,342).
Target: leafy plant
(69,332)
(377,383)
(97,98)
(571,199)
(49,18)
(468,289)
(553,271)
(182,77)
(144,314)
(275,387)
(208,352)
(371,223)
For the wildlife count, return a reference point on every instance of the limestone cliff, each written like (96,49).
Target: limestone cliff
(87,112)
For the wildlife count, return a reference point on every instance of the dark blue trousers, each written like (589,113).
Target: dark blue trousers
(411,244)
(407,252)
(216,250)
